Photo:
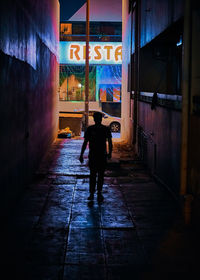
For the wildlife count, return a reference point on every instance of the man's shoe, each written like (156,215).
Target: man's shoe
(100,197)
(91,196)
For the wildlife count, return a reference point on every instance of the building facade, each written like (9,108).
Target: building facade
(104,71)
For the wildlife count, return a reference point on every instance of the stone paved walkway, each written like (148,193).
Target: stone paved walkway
(56,234)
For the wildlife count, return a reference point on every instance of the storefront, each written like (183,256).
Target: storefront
(104,75)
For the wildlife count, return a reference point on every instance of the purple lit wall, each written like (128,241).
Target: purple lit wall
(103,10)
(163,153)
(28,84)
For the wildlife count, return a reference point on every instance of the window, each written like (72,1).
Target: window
(66,28)
(72,83)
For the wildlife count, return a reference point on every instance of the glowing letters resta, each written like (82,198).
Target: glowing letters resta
(99,52)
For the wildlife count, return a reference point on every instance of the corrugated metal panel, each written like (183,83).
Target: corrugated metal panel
(156,16)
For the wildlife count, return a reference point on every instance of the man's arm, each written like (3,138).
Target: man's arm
(83,150)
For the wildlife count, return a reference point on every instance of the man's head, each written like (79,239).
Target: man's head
(97,117)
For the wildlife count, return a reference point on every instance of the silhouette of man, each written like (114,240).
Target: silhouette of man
(97,135)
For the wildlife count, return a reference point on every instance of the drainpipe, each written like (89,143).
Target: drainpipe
(136,71)
(87,63)
(186,85)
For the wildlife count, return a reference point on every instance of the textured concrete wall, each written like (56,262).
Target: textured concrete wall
(163,129)
(29,32)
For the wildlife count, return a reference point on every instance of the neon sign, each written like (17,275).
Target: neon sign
(99,53)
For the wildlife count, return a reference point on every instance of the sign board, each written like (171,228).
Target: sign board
(99,53)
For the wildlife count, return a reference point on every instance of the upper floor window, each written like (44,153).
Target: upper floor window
(65,28)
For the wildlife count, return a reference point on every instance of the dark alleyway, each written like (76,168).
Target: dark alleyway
(55,234)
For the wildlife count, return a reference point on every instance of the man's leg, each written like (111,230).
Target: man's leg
(100,183)
(93,174)
(100,180)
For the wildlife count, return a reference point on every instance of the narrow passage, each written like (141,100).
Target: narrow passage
(62,236)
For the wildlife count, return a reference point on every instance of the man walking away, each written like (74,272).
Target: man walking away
(97,135)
